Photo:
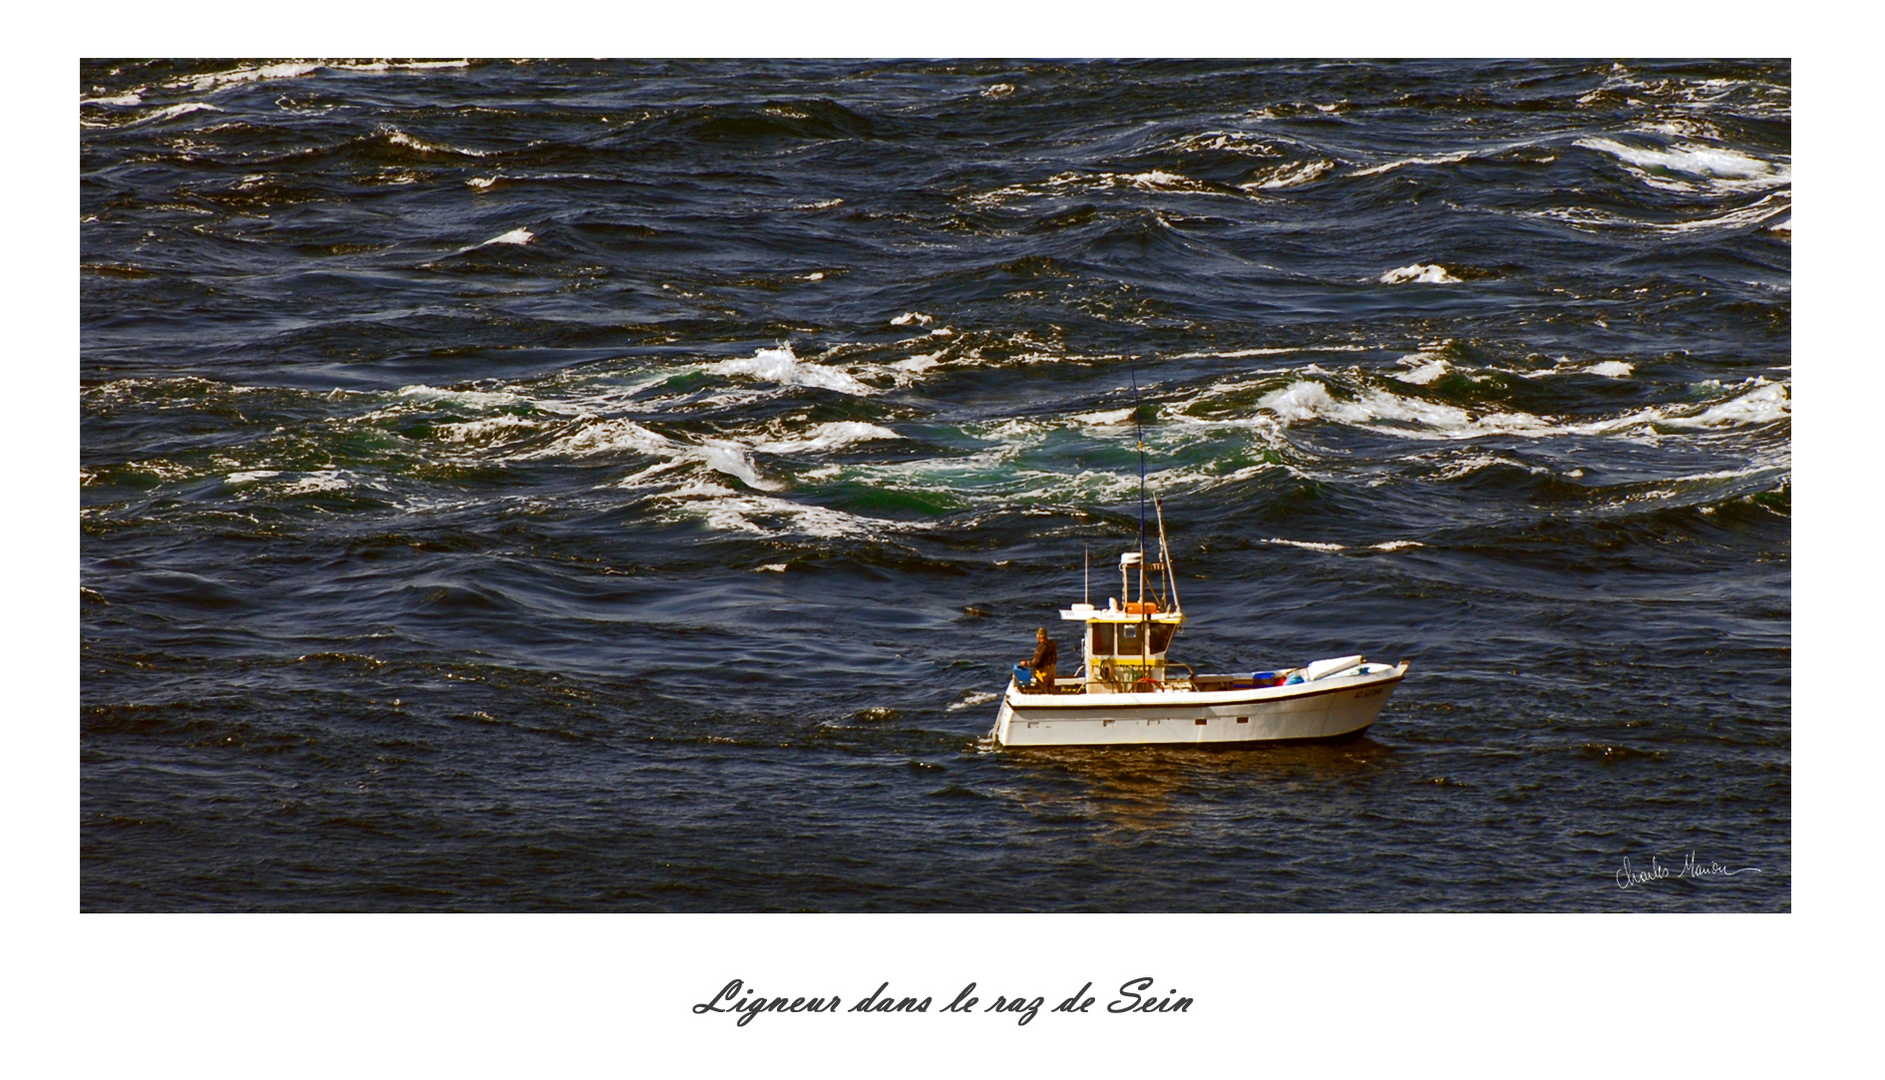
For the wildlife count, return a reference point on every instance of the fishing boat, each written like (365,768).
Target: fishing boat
(1127,690)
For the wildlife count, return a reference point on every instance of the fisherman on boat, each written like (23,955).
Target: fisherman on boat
(1045,659)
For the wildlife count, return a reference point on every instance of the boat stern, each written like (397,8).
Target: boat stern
(1004,716)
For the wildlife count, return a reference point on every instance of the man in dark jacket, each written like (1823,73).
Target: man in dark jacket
(1045,658)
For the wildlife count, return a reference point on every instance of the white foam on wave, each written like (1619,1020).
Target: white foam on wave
(1235,142)
(732,460)
(1775,204)
(1614,369)
(909,317)
(980,697)
(163,469)
(1764,404)
(408,65)
(1291,175)
(1305,401)
(912,369)
(222,79)
(1306,545)
(725,510)
(295,69)
(1419,273)
(1755,97)
(1397,545)
(251,476)
(185,386)
(1160,180)
(128,97)
(1427,367)
(781,366)
(1299,401)
(413,142)
(592,438)
(515,236)
(1399,163)
(1692,128)
(829,436)
(1008,471)
(312,483)
(1070,182)
(1237,354)
(1718,166)
(171,112)
(1472,463)
(476,399)
(481,430)
(1114,418)
(1564,363)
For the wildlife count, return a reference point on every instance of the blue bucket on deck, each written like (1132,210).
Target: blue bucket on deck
(1023,675)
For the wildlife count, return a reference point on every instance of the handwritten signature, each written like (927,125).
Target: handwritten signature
(1692,868)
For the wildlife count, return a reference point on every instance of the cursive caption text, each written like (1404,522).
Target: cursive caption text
(1134,996)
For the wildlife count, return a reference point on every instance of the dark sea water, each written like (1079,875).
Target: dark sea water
(626,486)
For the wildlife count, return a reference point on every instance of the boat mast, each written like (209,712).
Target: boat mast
(1145,619)
(1138,424)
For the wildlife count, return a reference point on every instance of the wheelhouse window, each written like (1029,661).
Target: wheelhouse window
(1124,639)
(1162,636)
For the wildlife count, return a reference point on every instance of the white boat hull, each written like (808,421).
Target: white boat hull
(1329,708)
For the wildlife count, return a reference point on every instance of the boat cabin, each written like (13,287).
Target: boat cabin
(1124,645)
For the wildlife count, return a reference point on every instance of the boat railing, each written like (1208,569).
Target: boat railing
(1188,676)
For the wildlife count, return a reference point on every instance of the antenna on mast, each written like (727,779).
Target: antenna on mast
(1165,554)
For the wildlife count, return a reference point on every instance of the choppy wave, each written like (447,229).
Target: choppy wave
(171,112)
(423,146)
(828,436)
(222,80)
(724,510)
(1419,273)
(1418,418)
(477,399)
(1294,174)
(782,367)
(1689,167)
(1401,163)
(1087,183)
